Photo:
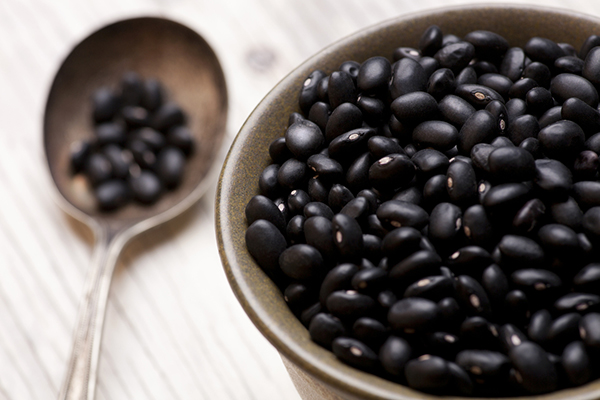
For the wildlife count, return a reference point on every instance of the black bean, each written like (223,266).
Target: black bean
(567,213)
(325,328)
(495,283)
(131,88)
(105,104)
(429,65)
(488,45)
(576,363)
(308,93)
(577,302)
(355,353)
(586,116)
(559,240)
(484,366)
(357,174)
(455,56)
(374,75)
(477,226)
(533,146)
(565,86)
(373,109)
(432,287)
(569,64)
(152,94)
(339,196)
(394,354)
(301,261)
(497,82)
(146,188)
(587,194)
(539,100)
(403,52)
(407,76)
(414,107)
(539,72)
(350,305)
(553,178)
(441,83)
(587,278)
(591,223)
(119,160)
(523,127)
(511,164)
(472,297)
(428,373)
(431,40)
(166,116)
(303,138)
(543,50)
(400,243)
(469,260)
(430,162)
(319,115)
(500,113)
(513,63)
(590,70)
(265,243)
(515,108)
(455,110)
(510,337)
(278,151)
(480,127)
(445,225)
(529,217)
(411,194)
(317,208)
(563,330)
(520,252)
(349,145)
(338,278)
(181,137)
(589,330)
(341,88)
(298,295)
(539,326)
(370,331)
(391,172)
(439,135)
(295,230)
(110,132)
(112,194)
(536,374)
(350,67)
(357,208)
(396,214)
(347,236)
(307,315)
(520,88)
(97,168)
(585,166)
(418,265)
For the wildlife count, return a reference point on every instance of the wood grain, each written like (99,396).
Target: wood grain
(174,330)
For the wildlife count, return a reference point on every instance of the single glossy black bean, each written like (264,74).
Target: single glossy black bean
(510,337)
(505,198)
(539,72)
(428,373)
(434,191)
(346,147)
(325,328)
(319,114)
(413,314)
(478,95)
(488,45)
(589,43)
(429,64)
(381,146)
(536,281)
(391,172)
(373,109)
(511,164)
(565,86)
(430,162)
(529,217)
(441,83)
(370,331)
(460,381)
(307,315)
(577,302)
(468,76)
(318,232)
(498,82)
(357,208)
(431,40)
(587,194)
(265,243)
(432,287)
(455,56)
(585,166)
(268,183)
(443,344)
(439,135)
(500,113)
(455,110)
(403,52)
(469,260)
(539,326)
(110,132)
(538,100)
(513,63)
(472,297)
(372,247)
(562,331)
(543,50)
(520,88)
(370,281)
(303,138)
(347,236)
(588,278)
(146,187)
(325,168)
(567,213)
(112,194)
(414,107)
(450,313)
(461,183)
(520,252)
(523,127)
(445,225)
(586,116)
(569,64)
(591,71)
(394,354)
(374,75)
(291,174)
(341,89)
(295,230)
(278,151)
(298,295)
(480,127)
(400,243)
(338,278)
(318,208)
(577,363)
(350,305)
(536,374)
(553,178)
(589,330)
(533,146)
(495,283)
(484,67)
(559,240)
(357,174)
(308,93)
(476,226)
(301,261)
(407,76)
(297,200)
(396,214)
(418,265)
(517,307)
(484,366)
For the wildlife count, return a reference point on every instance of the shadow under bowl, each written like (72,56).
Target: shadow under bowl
(315,371)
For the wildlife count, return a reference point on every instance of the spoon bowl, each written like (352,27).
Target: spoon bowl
(191,74)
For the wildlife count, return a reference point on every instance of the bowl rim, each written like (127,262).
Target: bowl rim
(305,354)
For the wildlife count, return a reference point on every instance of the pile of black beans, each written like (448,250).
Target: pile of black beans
(436,220)
(140,144)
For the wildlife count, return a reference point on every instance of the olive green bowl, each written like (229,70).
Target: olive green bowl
(315,371)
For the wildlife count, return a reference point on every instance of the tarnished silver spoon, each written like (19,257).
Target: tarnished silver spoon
(192,76)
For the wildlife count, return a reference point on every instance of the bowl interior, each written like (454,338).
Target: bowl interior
(248,156)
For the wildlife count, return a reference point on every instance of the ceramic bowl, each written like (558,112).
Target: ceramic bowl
(315,371)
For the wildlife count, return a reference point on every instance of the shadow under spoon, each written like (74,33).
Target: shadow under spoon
(191,74)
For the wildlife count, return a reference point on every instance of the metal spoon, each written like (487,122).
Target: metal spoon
(189,70)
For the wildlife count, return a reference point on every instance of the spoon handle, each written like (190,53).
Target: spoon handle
(80,381)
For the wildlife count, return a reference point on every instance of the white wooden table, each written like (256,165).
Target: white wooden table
(174,329)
